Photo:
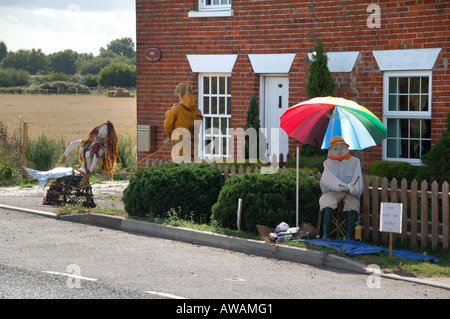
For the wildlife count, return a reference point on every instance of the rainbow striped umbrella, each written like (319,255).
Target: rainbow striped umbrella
(317,120)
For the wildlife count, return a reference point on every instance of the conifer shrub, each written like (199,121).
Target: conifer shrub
(189,191)
(253,121)
(267,199)
(320,81)
(437,160)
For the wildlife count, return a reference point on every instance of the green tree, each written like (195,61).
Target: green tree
(118,74)
(63,62)
(94,65)
(122,47)
(320,82)
(28,60)
(3,50)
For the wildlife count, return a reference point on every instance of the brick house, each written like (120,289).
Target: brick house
(391,57)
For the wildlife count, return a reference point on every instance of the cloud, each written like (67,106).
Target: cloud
(79,26)
(84,5)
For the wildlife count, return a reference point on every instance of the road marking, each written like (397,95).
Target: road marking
(70,275)
(163,294)
(235,279)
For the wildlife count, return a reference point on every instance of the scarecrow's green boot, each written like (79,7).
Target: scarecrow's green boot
(327,214)
(351,217)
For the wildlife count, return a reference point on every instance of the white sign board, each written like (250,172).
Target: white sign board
(391,217)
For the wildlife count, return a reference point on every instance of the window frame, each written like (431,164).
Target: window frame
(409,115)
(227,116)
(214,10)
(202,6)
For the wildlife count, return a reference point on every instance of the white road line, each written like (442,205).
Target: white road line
(70,275)
(163,294)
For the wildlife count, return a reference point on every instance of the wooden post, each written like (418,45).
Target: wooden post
(24,148)
(375,207)
(434,215)
(414,213)
(404,197)
(365,217)
(390,245)
(424,213)
(445,216)
(239,214)
(384,198)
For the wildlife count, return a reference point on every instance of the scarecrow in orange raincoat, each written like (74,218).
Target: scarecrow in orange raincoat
(182,115)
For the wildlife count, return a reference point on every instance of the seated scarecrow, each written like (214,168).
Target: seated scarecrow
(99,148)
(341,182)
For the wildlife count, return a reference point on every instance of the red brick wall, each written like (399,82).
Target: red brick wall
(287,26)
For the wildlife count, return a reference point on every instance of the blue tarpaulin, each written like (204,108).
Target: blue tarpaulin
(353,248)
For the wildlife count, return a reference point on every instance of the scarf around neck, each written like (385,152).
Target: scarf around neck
(341,158)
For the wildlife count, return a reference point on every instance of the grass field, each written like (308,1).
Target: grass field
(69,117)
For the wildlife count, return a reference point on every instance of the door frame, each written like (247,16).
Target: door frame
(262,91)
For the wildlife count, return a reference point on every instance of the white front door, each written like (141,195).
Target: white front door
(276,98)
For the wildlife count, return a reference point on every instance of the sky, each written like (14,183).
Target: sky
(58,25)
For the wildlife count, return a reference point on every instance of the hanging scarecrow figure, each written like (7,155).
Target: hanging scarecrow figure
(100,147)
(341,182)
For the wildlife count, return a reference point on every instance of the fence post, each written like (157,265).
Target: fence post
(375,208)
(384,198)
(24,148)
(365,215)
(414,213)
(445,216)
(434,215)
(424,213)
(404,197)
(394,199)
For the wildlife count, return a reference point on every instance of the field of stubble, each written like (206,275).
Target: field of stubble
(69,117)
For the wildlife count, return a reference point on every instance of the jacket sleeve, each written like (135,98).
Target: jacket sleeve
(198,115)
(169,122)
(357,179)
(329,181)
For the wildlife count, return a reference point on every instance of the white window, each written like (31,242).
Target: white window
(214,5)
(215,103)
(407,115)
(212,8)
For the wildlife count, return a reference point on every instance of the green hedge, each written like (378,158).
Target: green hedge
(63,87)
(399,170)
(267,200)
(190,191)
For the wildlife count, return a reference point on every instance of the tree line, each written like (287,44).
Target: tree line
(115,65)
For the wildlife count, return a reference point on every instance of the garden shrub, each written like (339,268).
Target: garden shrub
(43,153)
(190,191)
(267,199)
(390,170)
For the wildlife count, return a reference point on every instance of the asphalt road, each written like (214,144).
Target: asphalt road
(42,257)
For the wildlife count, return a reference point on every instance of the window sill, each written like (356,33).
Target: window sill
(210,14)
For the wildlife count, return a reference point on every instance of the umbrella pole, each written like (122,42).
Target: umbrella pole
(332,123)
(296,193)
